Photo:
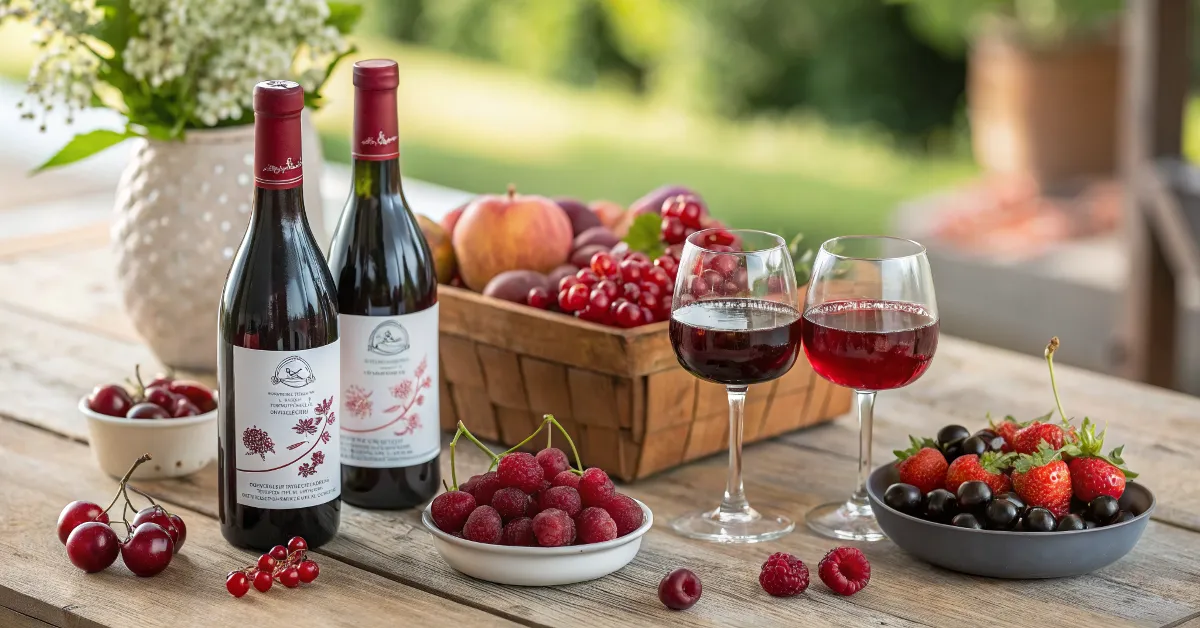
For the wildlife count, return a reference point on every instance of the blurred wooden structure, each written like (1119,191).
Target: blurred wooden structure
(1162,215)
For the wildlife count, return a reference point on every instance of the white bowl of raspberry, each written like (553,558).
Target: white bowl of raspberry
(532,566)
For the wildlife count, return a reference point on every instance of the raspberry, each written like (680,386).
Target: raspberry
(783,575)
(451,509)
(566,478)
(511,503)
(595,526)
(553,461)
(518,532)
(483,526)
(595,488)
(553,528)
(520,470)
(469,485)
(845,570)
(487,486)
(626,512)
(563,498)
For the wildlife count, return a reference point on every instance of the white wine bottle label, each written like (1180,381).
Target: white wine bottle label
(285,416)
(390,412)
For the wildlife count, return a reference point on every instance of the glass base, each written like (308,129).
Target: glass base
(747,526)
(848,520)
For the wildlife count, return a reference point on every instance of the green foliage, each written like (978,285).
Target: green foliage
(950,24)
(84,145)
(915,445)
(645,235)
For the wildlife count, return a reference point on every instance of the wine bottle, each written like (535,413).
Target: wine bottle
(387,299)
(279,463)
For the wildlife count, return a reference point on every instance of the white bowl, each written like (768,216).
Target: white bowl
(177,447)
(537,566)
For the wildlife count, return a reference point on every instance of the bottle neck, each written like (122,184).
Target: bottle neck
(375,145)
(375,179)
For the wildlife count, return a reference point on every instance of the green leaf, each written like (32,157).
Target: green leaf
(645,235)
(802,259)
(915,445)
(344,15)
(117,26)
(995,462)
(85,145)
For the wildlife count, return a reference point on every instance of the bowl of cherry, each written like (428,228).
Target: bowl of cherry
(175,420)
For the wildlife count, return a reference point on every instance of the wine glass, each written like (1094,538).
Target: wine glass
(870,324)
(734,322)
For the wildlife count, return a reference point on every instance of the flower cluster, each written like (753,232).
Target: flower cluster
(257,442)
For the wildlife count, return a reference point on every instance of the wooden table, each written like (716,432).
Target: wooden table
(62,331)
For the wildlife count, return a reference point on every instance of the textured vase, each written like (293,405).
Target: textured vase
(181,211)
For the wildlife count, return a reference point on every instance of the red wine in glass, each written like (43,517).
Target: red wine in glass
(736,342)
(869,344)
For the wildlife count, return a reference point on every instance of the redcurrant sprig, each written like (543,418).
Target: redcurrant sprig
(289,565)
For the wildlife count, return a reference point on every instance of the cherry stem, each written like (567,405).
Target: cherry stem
(1050,349)
(550,420)
(125,480)
(141,387)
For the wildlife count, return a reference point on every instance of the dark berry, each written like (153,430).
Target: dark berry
(966,520)
(679,590)
(952,434)
(783,575)
(521,470)
(1088,524)
(553,462)
(941,505)
(487,486)
(566,478)
(595,488)
(903,497)
(553,528)
(1078,506)
(1070,522)
(451,509)
(974,445)
(519,533)
(626,512)
(845,570)
(974,496)
(594,525)
(985,434)
(1001,514)
(483,526)
(1124,516)
(953,451)
(996,443)
(1020,525)
(511,503)
(1103,509)
(1039,519)
(1015,499)
(563,498)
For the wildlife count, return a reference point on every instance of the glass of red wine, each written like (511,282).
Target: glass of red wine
(734,321)
(870,324)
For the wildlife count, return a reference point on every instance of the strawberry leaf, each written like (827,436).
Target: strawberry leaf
(1114,458)
(1044,455)
(995,462)
(645,235)
(916,444)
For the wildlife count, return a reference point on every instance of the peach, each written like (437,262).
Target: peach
(444,263)
(495,234)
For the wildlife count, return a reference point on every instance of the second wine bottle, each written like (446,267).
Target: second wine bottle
(387,300)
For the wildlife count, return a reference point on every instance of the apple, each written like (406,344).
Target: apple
(496,233)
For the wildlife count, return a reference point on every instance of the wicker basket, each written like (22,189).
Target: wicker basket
(620,392)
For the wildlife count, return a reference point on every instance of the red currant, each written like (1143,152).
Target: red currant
(700,287)
(297,544)
(567,282)
(237,584)
(262,581)
(648,300)
(593,314)
(629,315)
(93,546)
(266,562)
(278,552)
(604,265)
(647,315)
(308,571)
(77,513)
(609,288)
(575,298)
(587,277)
(714,279)
(539,298)
(638,256)
(719,237)
(631,291)
(289,578)
(673,231)
(689,214)
(660,277)
(672,206)
(599,299)
(666,262)
(652,288)
(631,270)
(723,263)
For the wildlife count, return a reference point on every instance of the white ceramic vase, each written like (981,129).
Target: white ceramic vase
(181,211)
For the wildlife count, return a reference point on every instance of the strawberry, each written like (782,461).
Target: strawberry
(1092,473)
(922,465)
(1028,438)
(989,468)
(1043,479)
(1007,429)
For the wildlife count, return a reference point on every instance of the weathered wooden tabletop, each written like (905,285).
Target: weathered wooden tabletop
(62,330)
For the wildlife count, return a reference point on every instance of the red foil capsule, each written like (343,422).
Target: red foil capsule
(375,130)
(278,160)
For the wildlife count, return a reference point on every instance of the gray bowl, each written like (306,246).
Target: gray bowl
(1018,555)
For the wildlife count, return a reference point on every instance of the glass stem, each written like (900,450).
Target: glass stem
(735,495)
(865,400)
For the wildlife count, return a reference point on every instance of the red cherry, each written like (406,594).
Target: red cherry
(110,400)
(575,298)
(629,315)
(631,291)
(308,571)
(567,282)
(78,513)
(648,300)
(266,562)
(718,237)
(593,313)
(673,231)
(262,581)
(197,393)
(587,277)
(660,277)
(161,397)
(647,315)
(609,288)
(699,287)
(689,214)
(289,578)
(162,379)
(147,411)
(157,515)
(148,551)
(278,552)
(93,546)
(599,299)
(652,288)
(604,265)
(672,206)
(631,270)
(667,263)
(184,407)
(714,279)
(237,584)
(180,531)
(297,544)
(638,256)
(539,298)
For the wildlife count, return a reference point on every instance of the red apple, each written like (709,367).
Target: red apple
(500,233)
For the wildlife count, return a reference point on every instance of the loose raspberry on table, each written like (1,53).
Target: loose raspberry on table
(451,509)
(487,486)
(595,488)
(511,503)
(563,498)
(783,575)
(483,526)
(594,525)
(469,485)
(519,533)
(553,461)
(553,528)
(845,570)
(520,470)
(625,512)
(566,478)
